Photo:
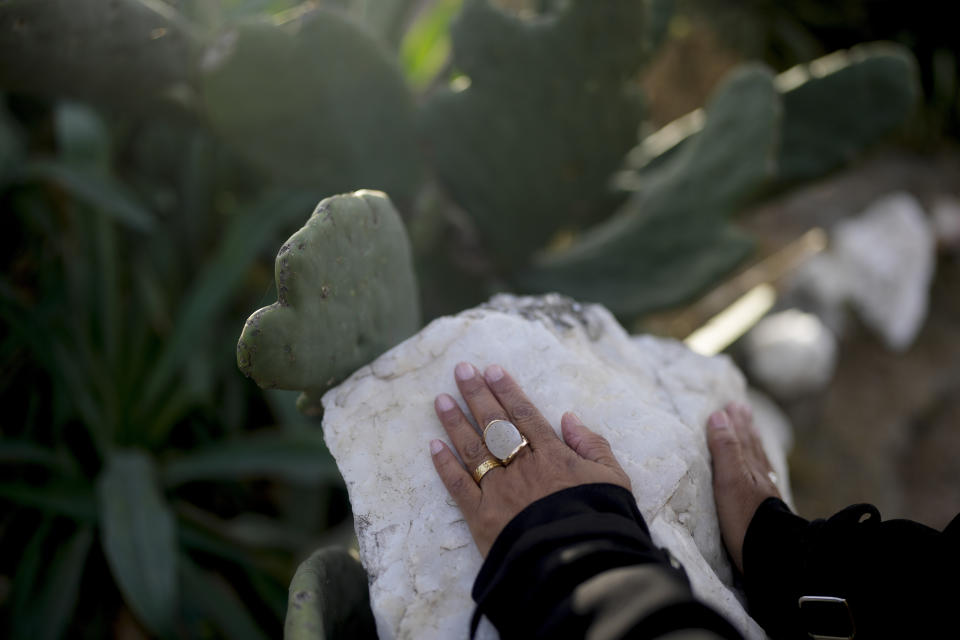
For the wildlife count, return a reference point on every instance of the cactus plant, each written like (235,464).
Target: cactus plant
(550,110)
(671,238)
(346,293)
(836,106)
(128,54)
(329,599)
(315,102)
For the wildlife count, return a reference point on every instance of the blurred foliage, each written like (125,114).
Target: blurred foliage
(126,440)
(154,153)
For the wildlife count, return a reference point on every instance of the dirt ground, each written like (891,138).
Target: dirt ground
(887,430)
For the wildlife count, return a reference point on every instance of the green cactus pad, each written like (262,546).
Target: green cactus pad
(329,599)
(671,239)
(346,293)
(836,106)
(551,108)
(316,102)
(126,54)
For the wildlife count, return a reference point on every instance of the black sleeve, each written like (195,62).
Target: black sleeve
(580,563)
(897,576)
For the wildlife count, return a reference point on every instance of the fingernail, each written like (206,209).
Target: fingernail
(435,447)
(493,373)
(719,420)
(464,371)
(574,418)
(445,402)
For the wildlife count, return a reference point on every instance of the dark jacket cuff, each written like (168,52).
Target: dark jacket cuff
(888,572)
(526,584)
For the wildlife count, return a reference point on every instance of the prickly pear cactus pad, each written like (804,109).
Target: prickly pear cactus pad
(672,238)
(346,293)
(128,54)
(550,110)
(839,104)
(315,102)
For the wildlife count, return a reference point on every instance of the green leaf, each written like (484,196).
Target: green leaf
(23,452)
(96,189)
(29,565)
(82,137)
(243,240)
(139,539)
(52,608)
(61,498)
(216,601)
(426,46)
(299,457)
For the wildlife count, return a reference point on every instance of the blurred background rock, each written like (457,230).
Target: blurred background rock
(647,155)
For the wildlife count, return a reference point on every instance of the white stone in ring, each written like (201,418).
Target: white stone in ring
(502,438)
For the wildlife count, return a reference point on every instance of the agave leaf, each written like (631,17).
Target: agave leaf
(299,457)
(138,533)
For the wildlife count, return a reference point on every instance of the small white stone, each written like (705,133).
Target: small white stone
(649,397)
(791,353)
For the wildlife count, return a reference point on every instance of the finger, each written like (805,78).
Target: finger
(724,445)
(523,413)
(742,418)
(455,478)
(483,404)
(464,435)
(585,442)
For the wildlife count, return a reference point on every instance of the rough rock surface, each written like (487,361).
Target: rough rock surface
(649,397)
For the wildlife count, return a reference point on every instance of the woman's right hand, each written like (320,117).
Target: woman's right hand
(742,475)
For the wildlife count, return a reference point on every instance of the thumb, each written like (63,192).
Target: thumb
(585,442)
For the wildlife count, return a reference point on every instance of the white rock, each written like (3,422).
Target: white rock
(887,258)
(791,353)
(649,397)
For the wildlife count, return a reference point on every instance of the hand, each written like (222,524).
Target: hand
(742,475)
(547,465)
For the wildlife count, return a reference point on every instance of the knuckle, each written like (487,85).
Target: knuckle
(472,387)
(474,450)
(524,411)
(458,485)
(600,442)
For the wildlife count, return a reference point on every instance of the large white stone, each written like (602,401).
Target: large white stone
(887,256)
(649,397)
(881,263)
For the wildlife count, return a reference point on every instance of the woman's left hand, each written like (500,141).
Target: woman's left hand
(546,465)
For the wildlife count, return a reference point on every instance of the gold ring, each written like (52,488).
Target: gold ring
(483,467)
(503,439)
